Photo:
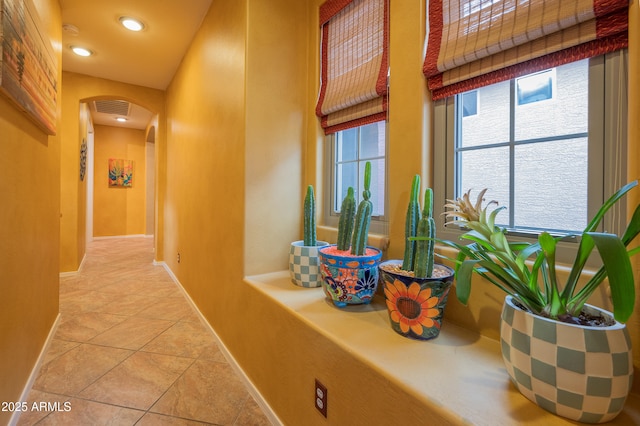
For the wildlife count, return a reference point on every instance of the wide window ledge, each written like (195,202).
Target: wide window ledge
(460,374)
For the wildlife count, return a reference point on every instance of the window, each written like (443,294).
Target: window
(539,86)
(469,102)
(549,146)
(348,151)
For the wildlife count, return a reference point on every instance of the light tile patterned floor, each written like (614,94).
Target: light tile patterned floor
(130,350)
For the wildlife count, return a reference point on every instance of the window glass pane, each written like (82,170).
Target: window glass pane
(491,124)
(377,185)
(470,103)
(346,176)
(564,114)
(528,145)
(551,182)
(372,138)
(487,168)
(353,148)
(347,145)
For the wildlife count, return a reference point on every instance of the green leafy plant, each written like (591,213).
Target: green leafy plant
(527,271)
(353,227)
(420,232)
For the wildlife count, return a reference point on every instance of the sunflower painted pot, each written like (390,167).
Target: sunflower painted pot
(579,372)
(304,264)
(349,279)
(416,305)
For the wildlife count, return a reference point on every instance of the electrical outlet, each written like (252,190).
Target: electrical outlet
(321,398)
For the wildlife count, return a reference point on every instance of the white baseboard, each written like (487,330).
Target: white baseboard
(35,371)
(111,237)
(271,415)
(73,273)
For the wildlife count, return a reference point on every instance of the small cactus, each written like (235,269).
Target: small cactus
(426,234)
(363,217)
(310,218)
(345,225)
(411,226)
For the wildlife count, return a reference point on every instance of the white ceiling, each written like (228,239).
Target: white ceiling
(147,58)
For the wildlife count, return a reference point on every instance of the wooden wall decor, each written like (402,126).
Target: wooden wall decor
(28,66)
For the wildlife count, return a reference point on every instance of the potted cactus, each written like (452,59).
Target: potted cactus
(350,268)
(303,255)
(416,288)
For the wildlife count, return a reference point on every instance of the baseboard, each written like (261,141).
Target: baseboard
(36,370)
(271,415)
(111,237)
(73,273)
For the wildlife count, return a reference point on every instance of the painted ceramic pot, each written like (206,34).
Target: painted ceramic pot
(304,264)
(348,279)
(416,305)
(578,372)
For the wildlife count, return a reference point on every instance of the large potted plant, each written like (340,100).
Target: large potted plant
(304,264)
(350,268)
(554,356)
(415,287)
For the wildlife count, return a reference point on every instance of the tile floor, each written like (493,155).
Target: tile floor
(130,350)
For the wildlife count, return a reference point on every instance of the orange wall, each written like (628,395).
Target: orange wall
(29,232)
(119,210)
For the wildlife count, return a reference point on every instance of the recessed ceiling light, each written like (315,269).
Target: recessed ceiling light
(81,51)
(131,23)
(121,119)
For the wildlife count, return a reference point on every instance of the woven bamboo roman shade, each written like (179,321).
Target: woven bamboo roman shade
(474,43)
(353,88)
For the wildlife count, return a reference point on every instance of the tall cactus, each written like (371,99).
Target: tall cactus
(345,225)
(411,225)
(427,232)
(310,218)
(363,217)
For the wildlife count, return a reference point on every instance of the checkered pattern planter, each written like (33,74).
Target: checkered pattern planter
(581,373)
(304,266)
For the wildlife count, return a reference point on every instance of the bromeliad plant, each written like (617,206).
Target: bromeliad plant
(527,271)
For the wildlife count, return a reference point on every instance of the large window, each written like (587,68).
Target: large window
(550,146)
(348,151)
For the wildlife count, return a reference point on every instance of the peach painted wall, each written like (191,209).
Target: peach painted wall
(78,89)
(29,232)
(119,210)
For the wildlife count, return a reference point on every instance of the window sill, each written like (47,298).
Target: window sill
(460,374)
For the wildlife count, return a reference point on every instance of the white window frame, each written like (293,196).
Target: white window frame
(331,217)
(607,141)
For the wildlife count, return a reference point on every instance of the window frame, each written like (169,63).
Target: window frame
(607,135)
(379,224)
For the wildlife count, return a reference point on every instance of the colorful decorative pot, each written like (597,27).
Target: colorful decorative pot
(348,279)
(578,372)
(304,264)
(416,305)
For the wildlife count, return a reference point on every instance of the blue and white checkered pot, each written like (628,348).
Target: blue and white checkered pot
(304,266)
(578,372)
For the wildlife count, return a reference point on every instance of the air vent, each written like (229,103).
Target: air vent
(120,108)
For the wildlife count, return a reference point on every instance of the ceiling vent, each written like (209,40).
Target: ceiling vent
(114,107)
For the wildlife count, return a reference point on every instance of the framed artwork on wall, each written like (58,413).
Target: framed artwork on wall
(28,66)
(120,173)
(83,158)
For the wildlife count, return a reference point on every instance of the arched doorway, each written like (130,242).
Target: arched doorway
(117,130)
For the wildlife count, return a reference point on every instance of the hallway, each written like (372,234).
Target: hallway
(130,350)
